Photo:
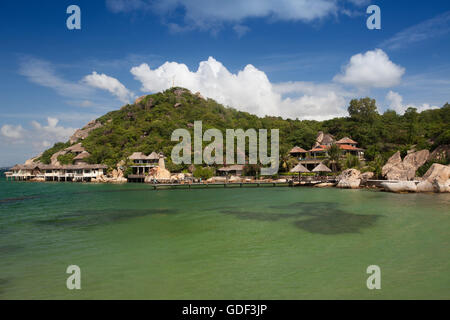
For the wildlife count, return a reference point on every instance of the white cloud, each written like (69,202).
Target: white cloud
(51,131)
(42,73)
(35,138)
(247,90)
(110,84)
(12,132)
(431,28)
(395,101)
(371,69)
(211,14)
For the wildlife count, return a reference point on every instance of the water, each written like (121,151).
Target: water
(254,243)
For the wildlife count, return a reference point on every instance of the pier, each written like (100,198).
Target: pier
(199,185)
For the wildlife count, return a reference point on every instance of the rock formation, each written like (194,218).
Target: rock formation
(83,133)
(158,174)
(349,179)
(440,153)
(400,186)
(396,169)
(436,179)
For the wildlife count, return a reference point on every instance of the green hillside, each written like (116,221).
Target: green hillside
(147,126)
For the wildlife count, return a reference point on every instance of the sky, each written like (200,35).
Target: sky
(302,59)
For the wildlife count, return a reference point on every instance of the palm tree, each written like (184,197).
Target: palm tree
(334,155)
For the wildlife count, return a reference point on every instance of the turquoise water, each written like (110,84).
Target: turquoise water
(253,243)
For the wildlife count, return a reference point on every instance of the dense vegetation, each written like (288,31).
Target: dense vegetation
(147,126)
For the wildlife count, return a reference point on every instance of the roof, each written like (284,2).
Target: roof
(346,140)
(153,156)
(349,147)
(64,167)
(298,150)
(82,155)
(138,156)
(235,167)
(321,168)
(299,169)
(327,139)
(320,148)
(75,148)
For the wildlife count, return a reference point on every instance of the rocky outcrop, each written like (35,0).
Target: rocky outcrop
(33,160)
(396,169)
(440,153)
(400,186)
(367,176)
(83,133)
(159,174)
(436,179)
(349,179)
(234,179)
(324,185)
(394,161)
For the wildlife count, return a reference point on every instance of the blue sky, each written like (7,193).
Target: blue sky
(293,58)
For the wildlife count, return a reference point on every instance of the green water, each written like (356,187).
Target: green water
(254,243)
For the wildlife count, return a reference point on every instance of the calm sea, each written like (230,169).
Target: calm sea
(253,243)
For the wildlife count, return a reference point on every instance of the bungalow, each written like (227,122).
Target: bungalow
(298,152)
(43,172)
(323,143)
(142,164)
(234,170)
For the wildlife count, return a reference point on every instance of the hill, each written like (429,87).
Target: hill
(147,125)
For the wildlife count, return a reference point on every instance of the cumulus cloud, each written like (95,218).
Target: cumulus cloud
(110,84)
(395,101)
(36,137)
(51,131)
(248,90)
(371,69)
(12,132)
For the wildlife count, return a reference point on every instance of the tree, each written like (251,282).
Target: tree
(334,154)
(364,110)
(411,117)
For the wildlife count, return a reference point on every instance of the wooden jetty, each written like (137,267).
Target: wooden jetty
(198,185)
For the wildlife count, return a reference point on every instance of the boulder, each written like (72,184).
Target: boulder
(54,158)
(440,153)
(349,179)
(158,174)
(367,175)
(437,171)
(396,169)
(425,186)
(414,161)
(324,185)
(393,161)
(84,132)
(439,177)
(234,179)
(401,186)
